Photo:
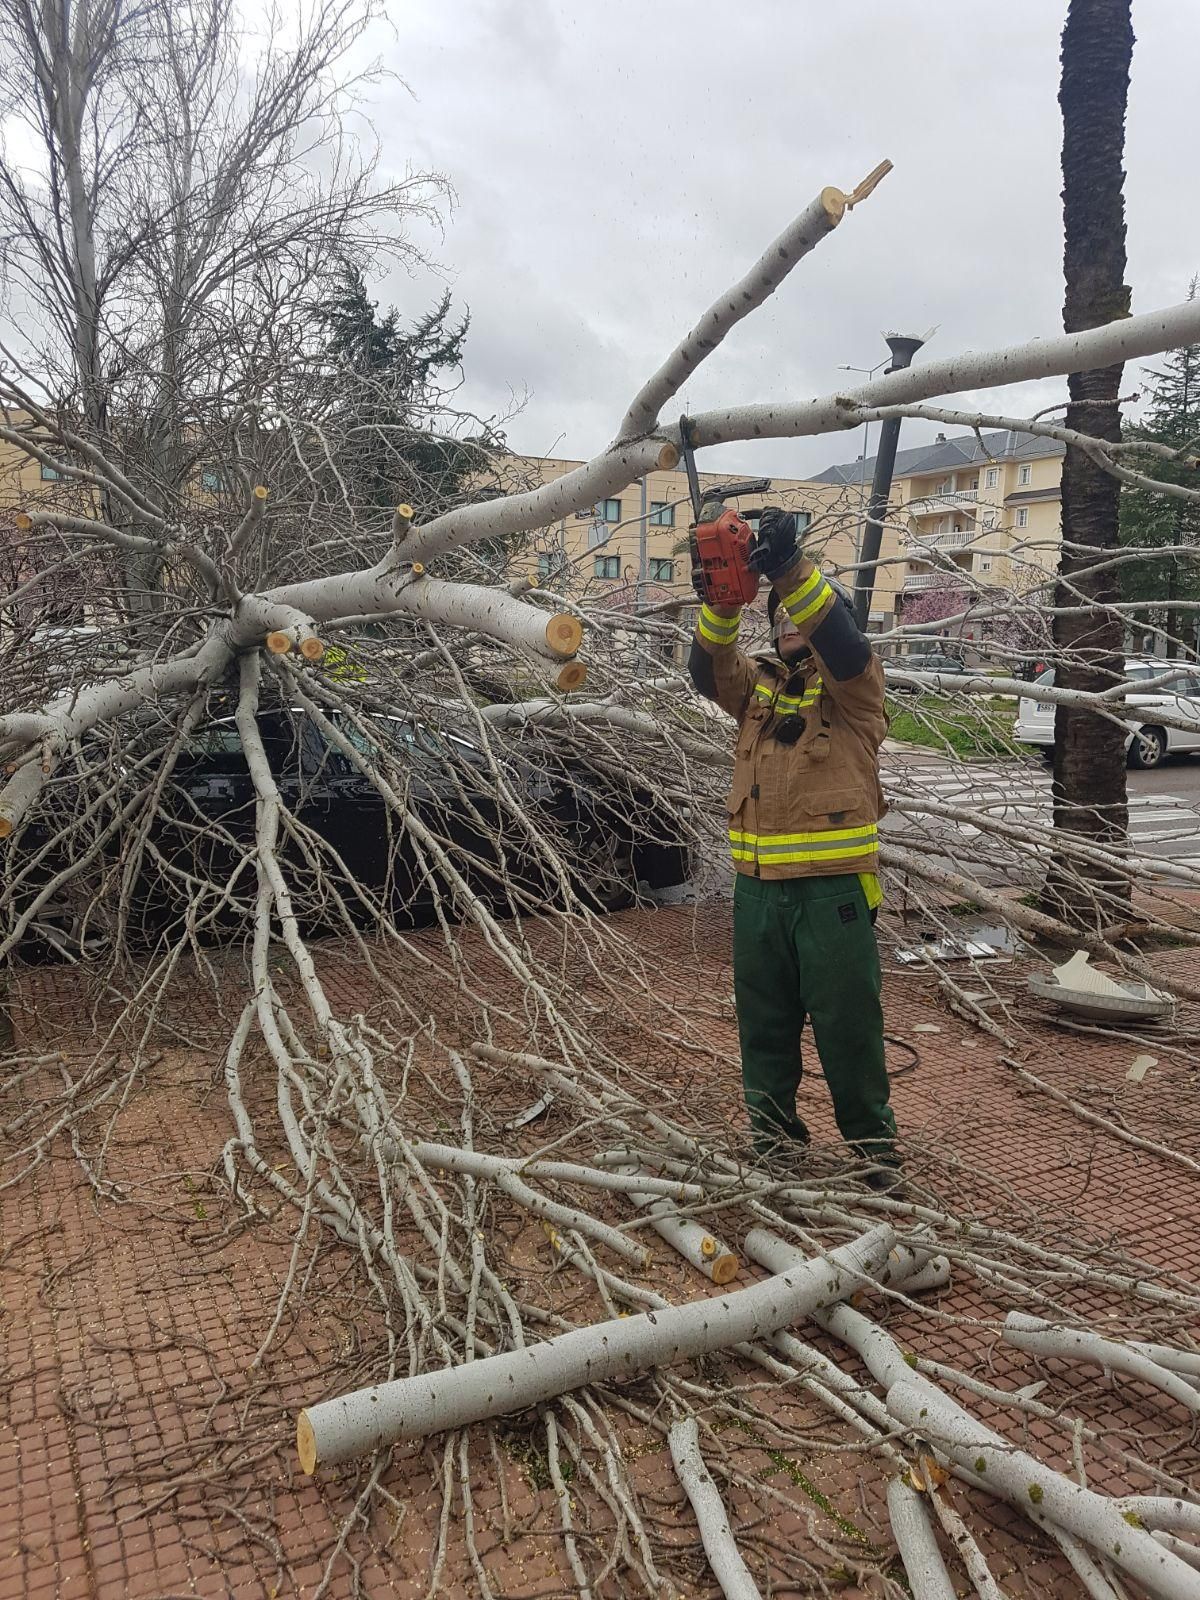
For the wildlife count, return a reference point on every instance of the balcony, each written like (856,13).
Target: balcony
(943,541)
(939,505)
(926,580)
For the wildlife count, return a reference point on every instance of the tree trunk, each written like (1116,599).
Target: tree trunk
(1089,765)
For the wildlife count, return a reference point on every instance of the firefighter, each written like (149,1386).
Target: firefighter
(804,808)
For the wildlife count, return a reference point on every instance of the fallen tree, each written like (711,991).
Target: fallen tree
(307,641)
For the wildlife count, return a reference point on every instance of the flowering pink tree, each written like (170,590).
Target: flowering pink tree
(946,598)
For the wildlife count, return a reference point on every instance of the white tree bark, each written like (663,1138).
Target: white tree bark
(730,1571)
(1077,1344)
(411,1408)
(1042,1493)
(702,1249)
(917,1543)
(815,222)
(607,474)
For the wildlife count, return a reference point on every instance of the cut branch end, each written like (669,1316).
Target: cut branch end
(572,676)
(278,642)
(564,634)
(724,1269)
(312,648)
(668,458)
(869,184)
(306,1444)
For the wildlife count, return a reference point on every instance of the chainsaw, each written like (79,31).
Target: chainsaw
(720,538)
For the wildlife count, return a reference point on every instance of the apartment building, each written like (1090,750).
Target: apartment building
(630,550)
(986,507)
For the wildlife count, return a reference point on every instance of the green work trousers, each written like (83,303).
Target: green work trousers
(805,948)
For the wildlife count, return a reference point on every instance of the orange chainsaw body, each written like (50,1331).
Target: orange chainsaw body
(722,551)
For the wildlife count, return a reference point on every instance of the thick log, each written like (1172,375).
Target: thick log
(434,1402)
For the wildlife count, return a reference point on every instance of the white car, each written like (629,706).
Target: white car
(1149,740)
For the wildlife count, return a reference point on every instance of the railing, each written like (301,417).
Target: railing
(943,541)
(926,580)
(935,505)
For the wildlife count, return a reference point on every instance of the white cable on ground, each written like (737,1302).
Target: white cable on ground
(927,1575)
(729,1569)
(410,1408)
(1074,1344)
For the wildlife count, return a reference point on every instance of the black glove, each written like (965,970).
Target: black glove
(775,546)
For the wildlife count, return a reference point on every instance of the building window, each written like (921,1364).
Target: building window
(50,474)
(597,534)
(991,477)
(662,514)
(803,518)
(211,479)
(1023,518)
(945,486)
(986,564)
(607,566)
(1024,475)
(610,510)
(662,569)
(552,564)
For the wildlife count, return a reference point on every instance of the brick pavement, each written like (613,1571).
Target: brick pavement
(142,1455)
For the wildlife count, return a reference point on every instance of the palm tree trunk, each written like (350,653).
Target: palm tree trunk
(1089,765)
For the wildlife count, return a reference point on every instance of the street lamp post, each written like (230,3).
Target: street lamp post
(903,347)
(869,373)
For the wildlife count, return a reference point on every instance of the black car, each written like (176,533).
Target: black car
(347,852)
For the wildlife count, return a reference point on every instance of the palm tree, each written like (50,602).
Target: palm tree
(1089,767)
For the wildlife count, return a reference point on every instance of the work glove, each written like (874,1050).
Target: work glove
(775,547)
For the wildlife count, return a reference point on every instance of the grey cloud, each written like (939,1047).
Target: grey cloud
(618,165)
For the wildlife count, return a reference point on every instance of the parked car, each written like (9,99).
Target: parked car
(1150,741)
(944,665)
(614,835)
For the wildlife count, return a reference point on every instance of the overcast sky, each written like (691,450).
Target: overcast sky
(617,164)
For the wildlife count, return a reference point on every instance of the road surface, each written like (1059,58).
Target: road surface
(1164,805)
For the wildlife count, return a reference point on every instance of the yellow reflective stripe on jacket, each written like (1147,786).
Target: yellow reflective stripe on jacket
(789,702)
(872,888)
(826,844)
(717,630)
(808,599)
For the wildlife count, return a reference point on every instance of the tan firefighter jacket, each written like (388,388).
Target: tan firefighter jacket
(809,808)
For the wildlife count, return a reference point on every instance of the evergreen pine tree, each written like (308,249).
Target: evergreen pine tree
(390,386)
(1149,519)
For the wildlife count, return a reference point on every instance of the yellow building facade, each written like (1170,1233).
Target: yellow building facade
(630,550)
(971,511)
